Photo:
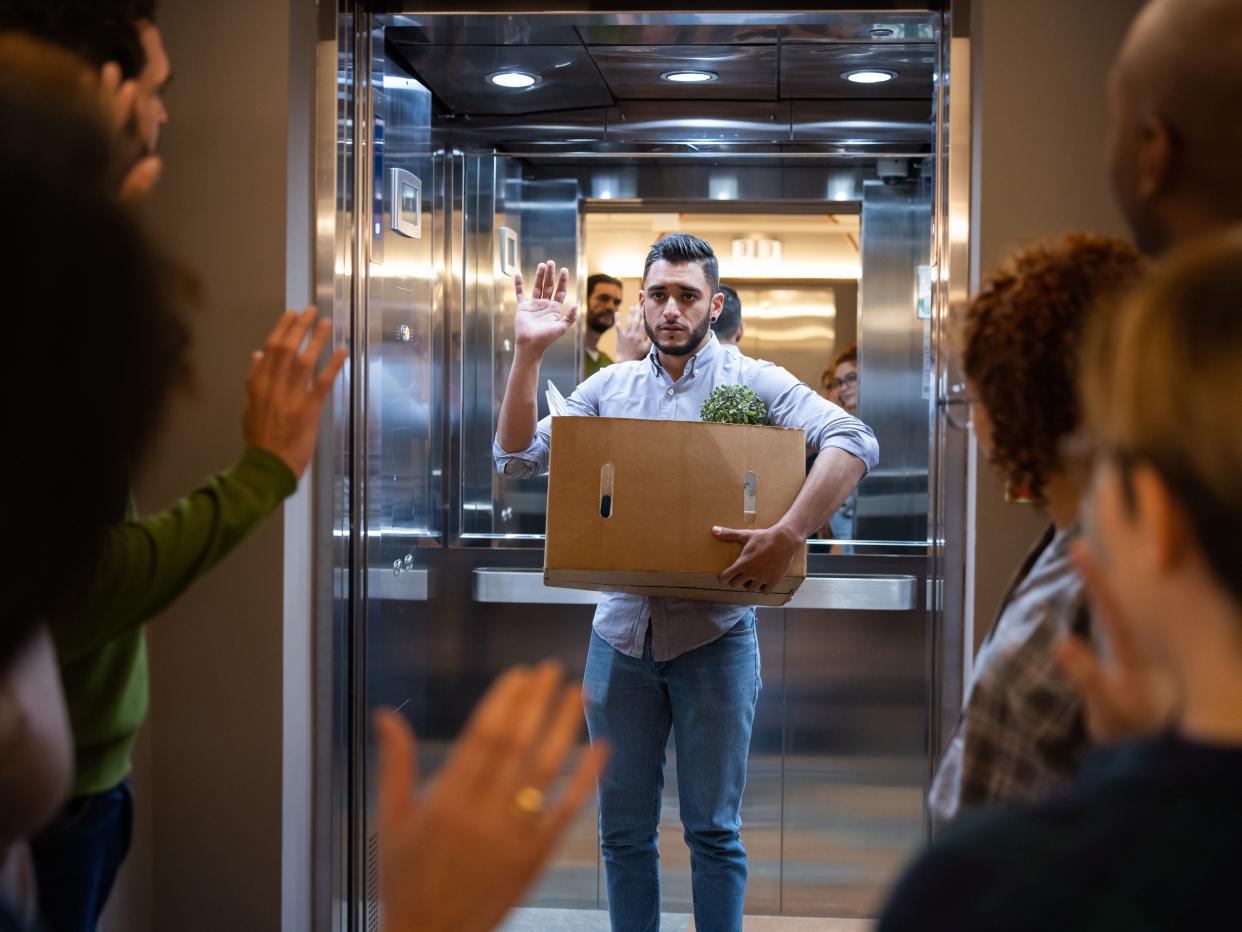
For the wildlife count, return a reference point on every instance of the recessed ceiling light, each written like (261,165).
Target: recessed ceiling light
(689,77)
(516,79)
(869,76)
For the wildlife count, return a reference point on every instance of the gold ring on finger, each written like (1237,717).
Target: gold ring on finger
(528,802)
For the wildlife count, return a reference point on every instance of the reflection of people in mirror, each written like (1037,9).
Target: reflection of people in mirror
(728,327)
(603,302)
(828,386)
(845,379)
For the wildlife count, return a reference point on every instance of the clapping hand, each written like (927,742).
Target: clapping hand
(1125,693)
(542,317)
(457,858)
(117,97)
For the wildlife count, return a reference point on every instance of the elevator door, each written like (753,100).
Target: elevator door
(445,579)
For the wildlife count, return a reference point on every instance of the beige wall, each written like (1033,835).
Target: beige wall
(1039,109)
(211,771)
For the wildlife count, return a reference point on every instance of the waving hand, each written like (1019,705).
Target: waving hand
(542,317)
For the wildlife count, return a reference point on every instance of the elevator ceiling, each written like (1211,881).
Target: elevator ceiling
(609,61)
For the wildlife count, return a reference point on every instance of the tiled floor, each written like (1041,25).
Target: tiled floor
(595,920)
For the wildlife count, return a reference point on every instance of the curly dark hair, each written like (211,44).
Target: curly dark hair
(1021,339)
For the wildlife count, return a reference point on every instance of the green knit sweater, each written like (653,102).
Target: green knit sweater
(145,565)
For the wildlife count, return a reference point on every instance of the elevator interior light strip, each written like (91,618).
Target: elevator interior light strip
(869,76)
(513,79)
(689,77)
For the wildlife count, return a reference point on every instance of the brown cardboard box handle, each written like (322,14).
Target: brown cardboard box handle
(750,487)
(605,491)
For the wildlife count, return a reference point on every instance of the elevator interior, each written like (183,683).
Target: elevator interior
(469,147)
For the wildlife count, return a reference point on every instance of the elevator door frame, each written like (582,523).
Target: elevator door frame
(341,857)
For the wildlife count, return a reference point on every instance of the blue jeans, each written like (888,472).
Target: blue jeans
(77,857)
(707,697)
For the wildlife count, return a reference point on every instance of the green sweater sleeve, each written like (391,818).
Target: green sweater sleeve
(146,563)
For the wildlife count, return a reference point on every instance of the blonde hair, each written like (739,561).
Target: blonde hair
(1186,322)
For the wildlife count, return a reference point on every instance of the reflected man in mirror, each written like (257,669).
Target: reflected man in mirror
(658,665)
(603,302)
(728,327)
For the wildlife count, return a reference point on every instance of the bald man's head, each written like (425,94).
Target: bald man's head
(1175,150)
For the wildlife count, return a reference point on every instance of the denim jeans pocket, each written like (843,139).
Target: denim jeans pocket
(743,628)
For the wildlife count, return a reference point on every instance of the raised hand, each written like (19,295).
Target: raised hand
(118,97)
(632,339)
(542,317)
(1125,694)
(283,394)
(458,858)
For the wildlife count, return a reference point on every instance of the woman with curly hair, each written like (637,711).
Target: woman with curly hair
(1022,730)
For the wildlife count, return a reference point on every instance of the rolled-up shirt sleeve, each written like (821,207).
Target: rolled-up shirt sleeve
(792,403)
(533,461)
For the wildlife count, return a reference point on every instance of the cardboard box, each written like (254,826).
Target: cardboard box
(632,503)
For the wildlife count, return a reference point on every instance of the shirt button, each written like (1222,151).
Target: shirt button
(670,393)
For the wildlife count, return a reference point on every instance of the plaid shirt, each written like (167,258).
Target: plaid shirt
(1022,729)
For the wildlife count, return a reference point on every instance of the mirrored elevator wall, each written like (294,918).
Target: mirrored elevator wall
(450,551)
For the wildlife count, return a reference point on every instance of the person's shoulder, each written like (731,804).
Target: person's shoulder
(754,368)
(982,872)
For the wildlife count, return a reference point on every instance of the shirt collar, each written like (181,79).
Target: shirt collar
(701,358)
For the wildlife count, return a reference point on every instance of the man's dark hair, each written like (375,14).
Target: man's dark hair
(730,315)
(599,278)
(98,30)
(92,359)
(682,248)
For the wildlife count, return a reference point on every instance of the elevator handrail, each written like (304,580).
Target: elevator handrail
(858,593)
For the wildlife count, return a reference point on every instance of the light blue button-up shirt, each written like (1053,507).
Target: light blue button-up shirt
(643,389)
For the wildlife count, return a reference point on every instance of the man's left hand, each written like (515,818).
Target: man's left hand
(764,559)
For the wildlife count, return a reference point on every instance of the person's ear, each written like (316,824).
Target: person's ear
(1161,532)
(717,305)
(1155,158)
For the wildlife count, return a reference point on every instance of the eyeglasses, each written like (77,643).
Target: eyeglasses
(848,379)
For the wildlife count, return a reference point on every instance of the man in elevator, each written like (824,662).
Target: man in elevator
(728,327)
(655,664)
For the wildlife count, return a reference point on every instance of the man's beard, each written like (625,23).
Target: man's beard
(596,322)
(696,337)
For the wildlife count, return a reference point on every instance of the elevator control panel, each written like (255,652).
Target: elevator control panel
(406,191)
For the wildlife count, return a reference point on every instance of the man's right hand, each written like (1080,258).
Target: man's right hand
(542,317)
